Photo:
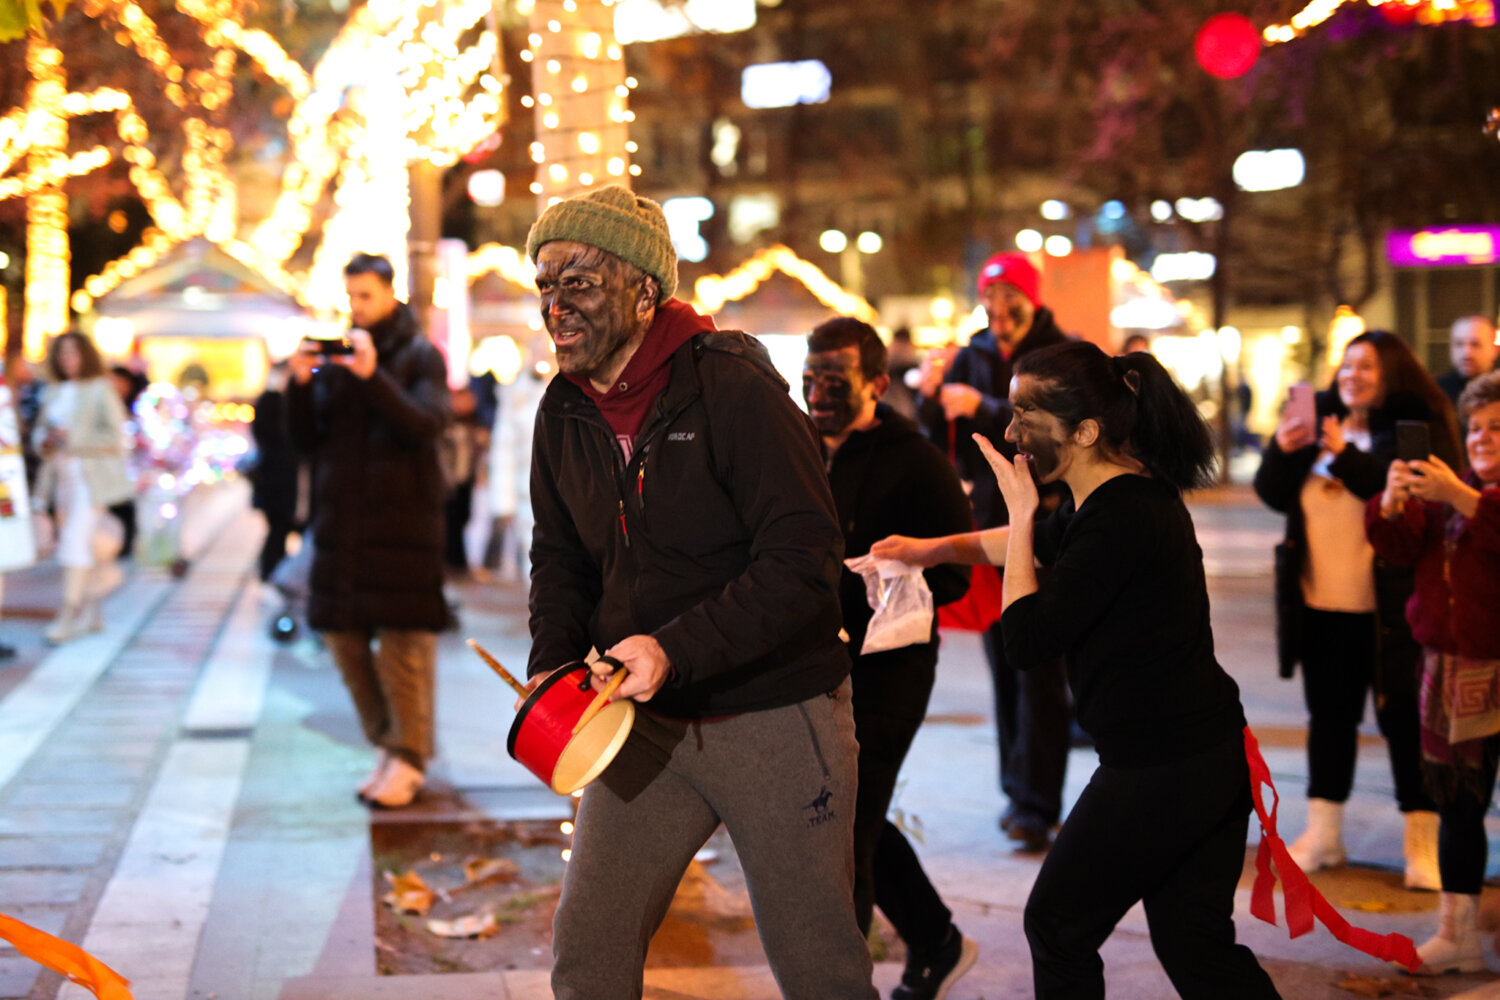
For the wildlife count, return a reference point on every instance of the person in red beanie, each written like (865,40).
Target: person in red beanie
(958,400)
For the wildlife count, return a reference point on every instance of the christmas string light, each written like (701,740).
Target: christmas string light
(1427,12)
(711,292)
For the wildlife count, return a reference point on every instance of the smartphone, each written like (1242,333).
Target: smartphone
(1299,404)
(1413,441)
(330,345)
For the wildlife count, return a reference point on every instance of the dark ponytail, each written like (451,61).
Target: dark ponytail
(1141,411)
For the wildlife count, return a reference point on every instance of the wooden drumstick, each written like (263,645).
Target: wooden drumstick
(600,700)
(505,676)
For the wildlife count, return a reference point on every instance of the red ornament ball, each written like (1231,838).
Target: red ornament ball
(1227,45)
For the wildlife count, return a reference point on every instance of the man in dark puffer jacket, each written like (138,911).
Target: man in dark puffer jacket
(371,421)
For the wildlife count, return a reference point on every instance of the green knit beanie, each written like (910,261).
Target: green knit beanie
(616,220)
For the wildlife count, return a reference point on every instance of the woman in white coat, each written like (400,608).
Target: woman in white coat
(79,434)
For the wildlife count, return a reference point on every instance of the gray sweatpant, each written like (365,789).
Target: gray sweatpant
(392,684)
(782,782)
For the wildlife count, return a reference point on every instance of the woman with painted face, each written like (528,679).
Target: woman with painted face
(1447,526)
(1164,818)
(1340,607)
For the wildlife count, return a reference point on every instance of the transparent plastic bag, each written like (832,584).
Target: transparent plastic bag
(902,603)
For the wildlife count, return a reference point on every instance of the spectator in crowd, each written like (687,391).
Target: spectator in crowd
(1472,348)
(887,479)
(370,421)
(1126,604)
(684,528)
(1136,342)
(80,436)
(905,373)
(129,383)
(970,397)
(460,455)
(1447,525)
(277,468)
(1341,604)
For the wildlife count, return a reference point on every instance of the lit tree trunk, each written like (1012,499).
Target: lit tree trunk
(47,251)
(578,83)
(426,183)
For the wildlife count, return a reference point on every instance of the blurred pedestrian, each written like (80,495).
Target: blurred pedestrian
(274,481)
(684,528)
(1341,605)
(905,373)
(129,384)
(887,479)
(1472,348)
(80,436)
(1447,525)
(1163,820)
(370,420)
(968,397)
(459,455)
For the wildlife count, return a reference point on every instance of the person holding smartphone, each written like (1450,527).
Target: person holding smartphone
(1341,606)
(369,415)
(1447,526)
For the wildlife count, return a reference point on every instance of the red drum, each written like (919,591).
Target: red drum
(542,736)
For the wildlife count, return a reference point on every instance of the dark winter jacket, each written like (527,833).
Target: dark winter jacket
(377,490)
(274,481)
(1278,483)
(718,537)
(1457,560)
(980,365)
(890,480)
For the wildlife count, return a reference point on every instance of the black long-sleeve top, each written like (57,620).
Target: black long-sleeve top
(1126,604)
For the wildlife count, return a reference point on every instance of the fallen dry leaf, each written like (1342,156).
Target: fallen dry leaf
(472,925)
(482,869)
(1372,986)
(1368,906)
(409,894)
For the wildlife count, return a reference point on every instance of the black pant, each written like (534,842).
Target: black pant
(273,549)
(891,691)
(1463,847)
(1173,835)
(1031,715)
(456,510)
(1339,667)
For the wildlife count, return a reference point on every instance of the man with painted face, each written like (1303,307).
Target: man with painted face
(972,396)
(887,479)
(684,527)
(1472,347)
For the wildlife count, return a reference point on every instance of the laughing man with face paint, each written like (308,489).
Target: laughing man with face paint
(684,527)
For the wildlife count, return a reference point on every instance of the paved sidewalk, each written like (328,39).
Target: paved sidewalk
(175,794)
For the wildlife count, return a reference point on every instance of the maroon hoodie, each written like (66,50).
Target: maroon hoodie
(628,401)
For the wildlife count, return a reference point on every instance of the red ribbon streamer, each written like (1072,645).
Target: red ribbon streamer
(65,957)
(1303,902)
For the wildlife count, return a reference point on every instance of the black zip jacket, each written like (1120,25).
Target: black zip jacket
(718,537)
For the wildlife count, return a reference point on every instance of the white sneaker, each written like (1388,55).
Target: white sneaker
(1421,848)
(1321,844)
(382,758)
(397,786)
(1455,947)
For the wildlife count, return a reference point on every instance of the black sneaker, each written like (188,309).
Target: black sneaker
(932,982)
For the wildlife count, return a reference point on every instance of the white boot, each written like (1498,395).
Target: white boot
(65,625)
(1421,847)
(1455,947)
(1321,844)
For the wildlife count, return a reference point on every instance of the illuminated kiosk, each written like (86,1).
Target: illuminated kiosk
(201,317)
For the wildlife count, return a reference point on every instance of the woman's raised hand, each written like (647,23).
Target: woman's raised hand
(912,551)
(1397,481)
(1014,477)
(1432,479)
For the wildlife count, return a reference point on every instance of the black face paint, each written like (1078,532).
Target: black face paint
(1034,439)
(831,384)
(588,306)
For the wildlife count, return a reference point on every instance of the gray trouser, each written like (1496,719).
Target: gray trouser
(782,782)
(392,686)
